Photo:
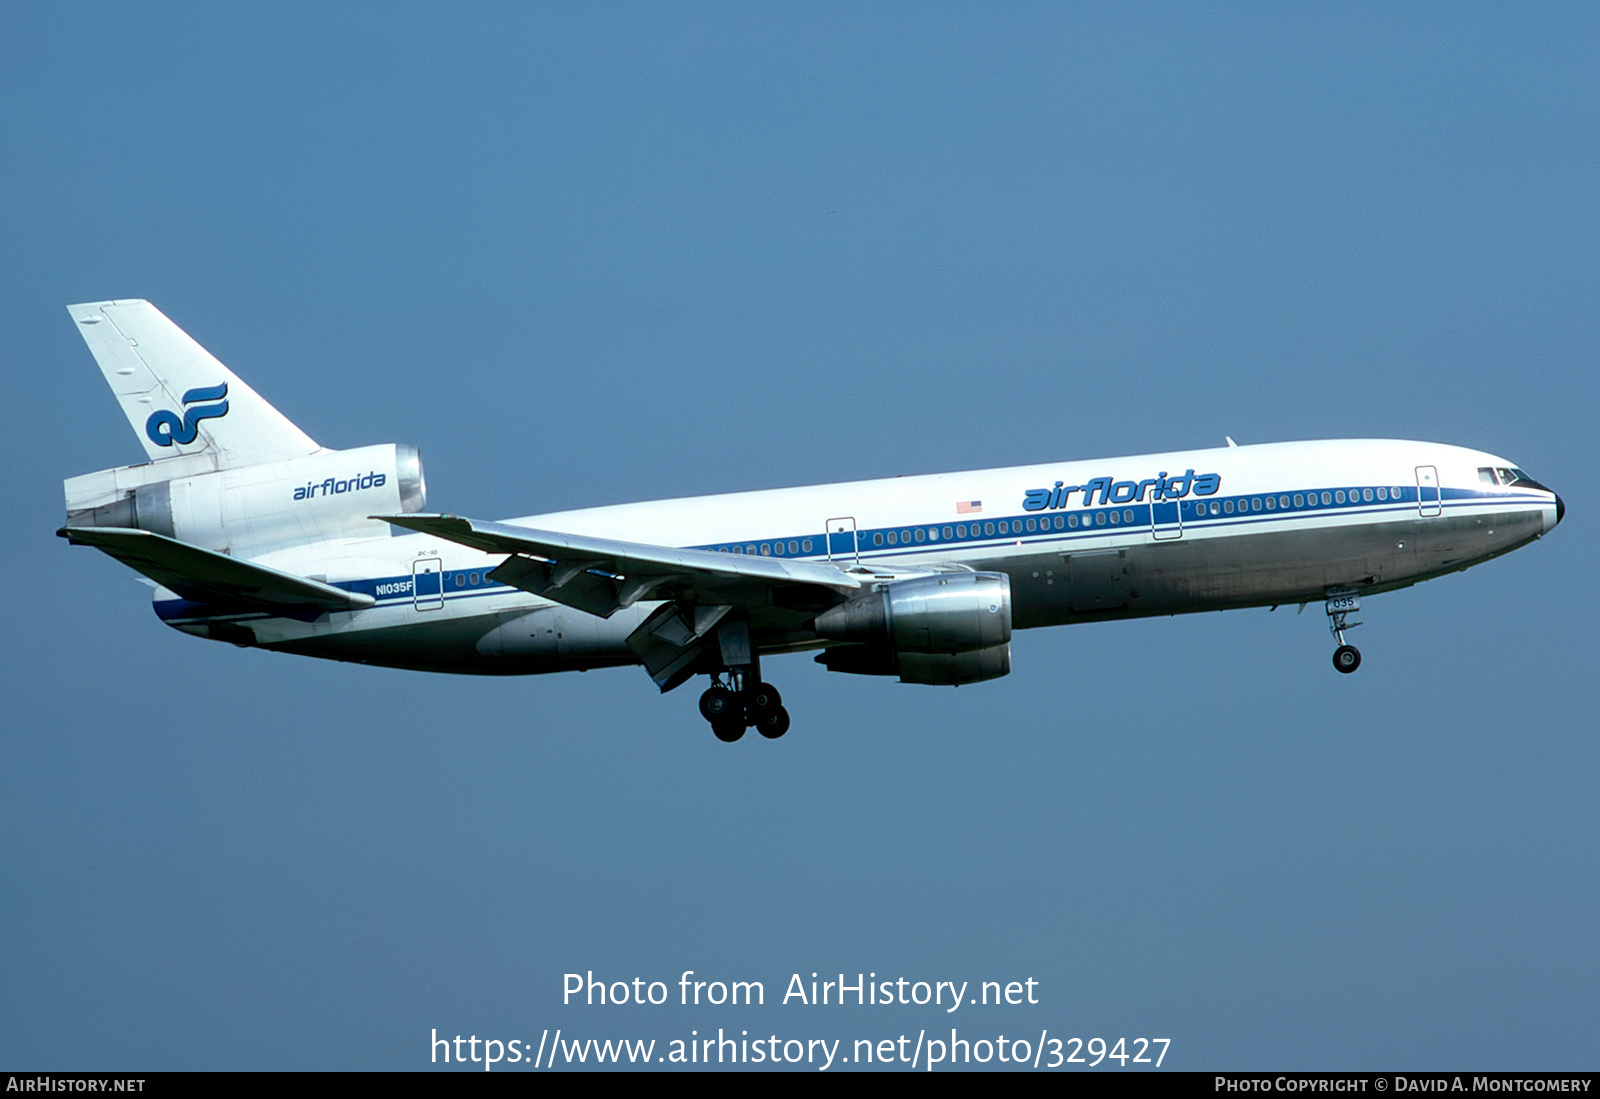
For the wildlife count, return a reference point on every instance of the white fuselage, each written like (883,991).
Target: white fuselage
(1080,541)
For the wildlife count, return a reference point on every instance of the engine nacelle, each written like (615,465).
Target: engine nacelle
(948,629)
(254,509)
(934,669)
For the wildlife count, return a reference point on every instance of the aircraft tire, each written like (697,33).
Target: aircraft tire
(728,730)
(762,698)
(774,723)
(1347,658)
(718,703)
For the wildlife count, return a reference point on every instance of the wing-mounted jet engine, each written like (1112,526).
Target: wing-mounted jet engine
(258,536)
(942,630)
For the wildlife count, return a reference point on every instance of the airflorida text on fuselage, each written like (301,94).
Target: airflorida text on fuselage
(257,536)
(1113,491)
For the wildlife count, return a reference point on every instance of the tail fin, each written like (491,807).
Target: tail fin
(177,396)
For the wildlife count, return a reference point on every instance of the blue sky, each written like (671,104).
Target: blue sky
(583,255)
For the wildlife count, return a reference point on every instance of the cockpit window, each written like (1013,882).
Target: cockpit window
(1501,475)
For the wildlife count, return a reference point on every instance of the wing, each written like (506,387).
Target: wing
(698,588)
(601,575)
(205,576)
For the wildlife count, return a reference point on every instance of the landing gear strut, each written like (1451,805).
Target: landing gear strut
(738,699)
(1346,658)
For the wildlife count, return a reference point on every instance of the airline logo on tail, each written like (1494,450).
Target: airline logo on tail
(166,428)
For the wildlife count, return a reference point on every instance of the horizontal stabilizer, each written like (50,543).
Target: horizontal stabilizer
(602,575)
(205,576)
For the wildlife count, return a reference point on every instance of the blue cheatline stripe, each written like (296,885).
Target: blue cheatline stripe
(185,609)
(1097,521)
(1091,522)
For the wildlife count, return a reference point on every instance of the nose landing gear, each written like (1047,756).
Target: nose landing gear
(1346,658)
(737,699)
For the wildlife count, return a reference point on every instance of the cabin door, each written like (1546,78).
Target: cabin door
(427,583)
(1428,499)
(841,538)
(1166,520)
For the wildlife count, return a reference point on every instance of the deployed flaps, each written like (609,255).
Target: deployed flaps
(670,641)
(601,576)
(583,583)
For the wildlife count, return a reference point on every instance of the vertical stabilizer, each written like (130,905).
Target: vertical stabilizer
(179,399)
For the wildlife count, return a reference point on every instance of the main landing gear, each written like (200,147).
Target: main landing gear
(737,699)
(1346,658)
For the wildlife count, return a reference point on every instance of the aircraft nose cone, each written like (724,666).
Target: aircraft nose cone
(1561,509)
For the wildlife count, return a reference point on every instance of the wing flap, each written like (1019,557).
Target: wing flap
(602,575)
(205,576)
(670,641)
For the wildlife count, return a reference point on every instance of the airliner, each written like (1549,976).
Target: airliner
(253,534)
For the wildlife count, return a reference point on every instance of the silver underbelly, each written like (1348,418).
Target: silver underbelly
(1050,584)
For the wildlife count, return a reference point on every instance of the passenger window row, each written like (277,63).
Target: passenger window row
(1089,518)
(1325,498)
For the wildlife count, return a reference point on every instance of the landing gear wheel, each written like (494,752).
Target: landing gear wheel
(773,723)
(719,703)
(762,698)
(1347,658)
(727,729)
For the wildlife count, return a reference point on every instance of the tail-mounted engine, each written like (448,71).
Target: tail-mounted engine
(247,509)
(942,630)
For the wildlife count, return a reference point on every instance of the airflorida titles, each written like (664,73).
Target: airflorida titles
(1161,487)
(333,486)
